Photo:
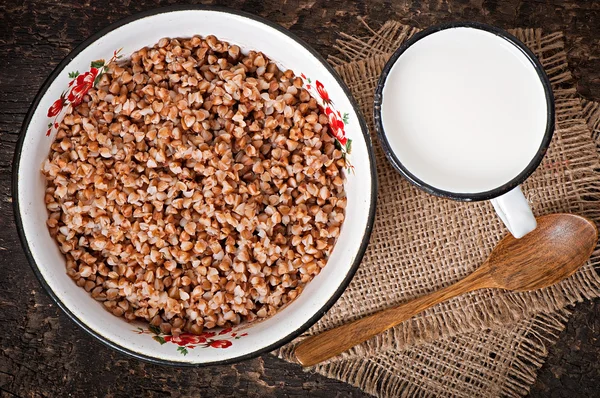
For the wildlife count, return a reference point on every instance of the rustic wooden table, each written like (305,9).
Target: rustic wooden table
(43,353)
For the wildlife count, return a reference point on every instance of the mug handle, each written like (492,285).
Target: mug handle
(514,211)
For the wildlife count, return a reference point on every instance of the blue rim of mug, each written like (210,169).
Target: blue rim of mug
(477,196)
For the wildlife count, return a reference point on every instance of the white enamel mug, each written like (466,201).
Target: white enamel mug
(465,111)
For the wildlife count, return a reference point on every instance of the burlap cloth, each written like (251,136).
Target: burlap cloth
(485,343)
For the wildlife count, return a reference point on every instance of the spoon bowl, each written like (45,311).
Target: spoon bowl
(559,245)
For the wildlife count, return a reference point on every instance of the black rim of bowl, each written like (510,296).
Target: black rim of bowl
(15,185)
(477,196)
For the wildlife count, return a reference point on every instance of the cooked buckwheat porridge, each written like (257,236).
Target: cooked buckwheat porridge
(194,186)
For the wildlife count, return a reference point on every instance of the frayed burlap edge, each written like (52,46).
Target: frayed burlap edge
(515,352)
(486,308)
(363,368)
(591,112)
(487,363)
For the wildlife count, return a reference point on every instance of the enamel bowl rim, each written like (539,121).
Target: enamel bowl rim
(34,108)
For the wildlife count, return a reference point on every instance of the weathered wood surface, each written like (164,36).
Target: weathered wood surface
(43,353)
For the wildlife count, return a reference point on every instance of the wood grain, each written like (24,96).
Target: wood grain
(559,246)
(44,354)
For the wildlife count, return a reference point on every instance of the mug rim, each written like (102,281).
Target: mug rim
(318,314)
(460,196)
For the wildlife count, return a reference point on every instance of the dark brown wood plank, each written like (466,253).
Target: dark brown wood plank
(42,353)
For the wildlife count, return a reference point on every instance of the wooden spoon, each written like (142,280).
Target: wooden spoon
(559,245)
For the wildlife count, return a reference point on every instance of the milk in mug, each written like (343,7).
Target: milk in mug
(464,110)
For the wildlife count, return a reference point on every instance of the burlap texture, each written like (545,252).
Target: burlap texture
(494,362)
(422,243)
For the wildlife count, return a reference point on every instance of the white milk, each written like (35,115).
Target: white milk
(464,110)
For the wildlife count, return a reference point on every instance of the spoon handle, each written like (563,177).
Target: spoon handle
(332,342)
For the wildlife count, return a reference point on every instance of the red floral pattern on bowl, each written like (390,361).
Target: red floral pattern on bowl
(337,120)
(78,88)
(187,341)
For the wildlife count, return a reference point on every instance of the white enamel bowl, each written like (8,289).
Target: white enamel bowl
(246,341)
